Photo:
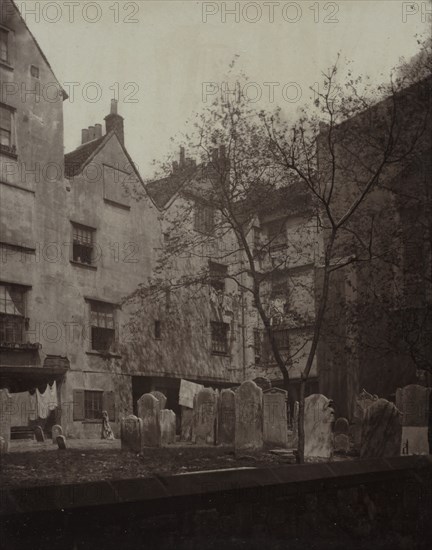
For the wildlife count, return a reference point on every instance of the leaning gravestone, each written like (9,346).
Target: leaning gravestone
(413,403)
(318,426)
(131,433)
(341,437)
(226,418)
(5,417)
(168,427)
(248,417)
(381,430)
(148,411)
(61,442)
(205,417)
(55,431)
(40,436)
(160,397)
(275,424)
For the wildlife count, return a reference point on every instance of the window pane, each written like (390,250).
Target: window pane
(219,334)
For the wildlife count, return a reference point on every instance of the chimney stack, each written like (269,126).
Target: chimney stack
(84,135)
(98,131)
(114,122)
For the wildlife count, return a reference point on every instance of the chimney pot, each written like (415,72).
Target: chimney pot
(92,133)
(84,135)
(114,106)
(98,131)
(175,166)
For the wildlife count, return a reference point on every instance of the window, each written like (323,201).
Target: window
(6,125)
(257,346)
(83,244)
(204,218)
(219,336)
(157,330)
(276,234)
(102,326)
(34,71)
(281,337)
(4,45)
(12,313)
(89,404)
(279,284)
(93,403)
(217,275)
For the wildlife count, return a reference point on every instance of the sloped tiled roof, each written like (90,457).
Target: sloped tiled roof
(162,190)
(75,160)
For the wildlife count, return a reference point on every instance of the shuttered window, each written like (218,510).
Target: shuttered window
(89,404)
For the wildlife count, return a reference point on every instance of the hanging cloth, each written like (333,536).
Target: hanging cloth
(32,407)
(53,402)
(43,400)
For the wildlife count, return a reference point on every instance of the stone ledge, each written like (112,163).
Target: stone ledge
(199,487)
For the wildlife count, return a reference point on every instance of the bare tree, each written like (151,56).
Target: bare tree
(345,154)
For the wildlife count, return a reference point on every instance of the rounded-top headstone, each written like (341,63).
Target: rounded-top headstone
(341,426)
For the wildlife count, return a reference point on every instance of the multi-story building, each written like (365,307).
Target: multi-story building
(78,234)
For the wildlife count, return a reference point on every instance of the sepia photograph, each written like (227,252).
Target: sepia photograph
(215,275)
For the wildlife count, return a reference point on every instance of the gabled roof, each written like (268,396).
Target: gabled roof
(77,159)
(64,94)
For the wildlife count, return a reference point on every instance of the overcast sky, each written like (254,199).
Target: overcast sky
(162,53)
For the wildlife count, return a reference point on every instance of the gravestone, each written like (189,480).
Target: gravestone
(341,438)
(248,417)
(186,431)
(275,423)
(318,426)
(40,436)
(160,397)
(205,417)
(131,433)
(61,442)
(148,411)
(5,417)
(381,430)
(226,418)
(263,383)
(55,431)
(413,403)
(168,426)
(362,402)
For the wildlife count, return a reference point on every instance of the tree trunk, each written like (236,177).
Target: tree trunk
(301,434)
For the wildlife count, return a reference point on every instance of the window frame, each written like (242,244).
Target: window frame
(6,33)
(96,413)
(204,218)
(9,148)
(77,227)
(100,330)
(217,275)
(18,320)
(219,346)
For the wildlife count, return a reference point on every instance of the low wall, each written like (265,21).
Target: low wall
(376,503)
